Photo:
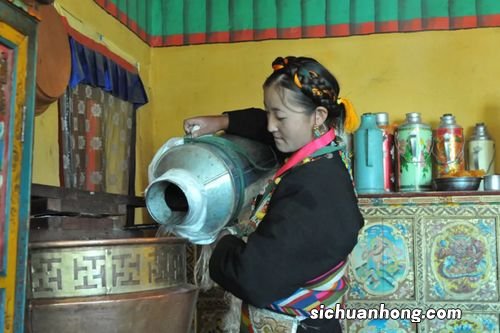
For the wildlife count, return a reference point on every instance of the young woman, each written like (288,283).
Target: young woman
(307,221)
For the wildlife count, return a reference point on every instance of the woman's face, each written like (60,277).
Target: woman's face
(287,121)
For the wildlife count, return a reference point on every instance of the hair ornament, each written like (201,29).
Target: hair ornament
(316,91)
(351,122)
(277,67)
(280,63)
(296,80)
(313,74)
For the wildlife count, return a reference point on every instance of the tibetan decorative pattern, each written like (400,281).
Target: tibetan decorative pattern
(461,259)
(104,269)
(452,247)
(381,326)
(469,323)
(381,265)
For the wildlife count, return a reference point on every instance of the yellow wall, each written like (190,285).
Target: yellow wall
(429,72)
(433,73)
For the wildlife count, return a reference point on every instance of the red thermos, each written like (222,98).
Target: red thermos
(388,150)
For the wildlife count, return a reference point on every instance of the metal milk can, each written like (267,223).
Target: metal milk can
(448,147)
(387,150)
(198,186)
(413,142)
(368,156)
(481,149)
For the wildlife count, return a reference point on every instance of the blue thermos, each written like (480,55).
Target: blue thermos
(368,156)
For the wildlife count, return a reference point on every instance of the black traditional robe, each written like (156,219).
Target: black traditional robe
(311,225)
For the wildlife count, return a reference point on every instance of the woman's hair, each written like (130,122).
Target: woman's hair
(313,85)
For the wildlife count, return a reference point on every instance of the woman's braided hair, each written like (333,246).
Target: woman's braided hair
(315,86)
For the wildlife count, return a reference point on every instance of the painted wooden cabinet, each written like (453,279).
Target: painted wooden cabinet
(17,87)
(428,252)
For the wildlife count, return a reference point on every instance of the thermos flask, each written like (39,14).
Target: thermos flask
(387,150)
(368,156)
(413,142)
(481,149)
(448,147)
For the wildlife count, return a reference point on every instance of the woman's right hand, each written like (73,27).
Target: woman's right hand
(198,126)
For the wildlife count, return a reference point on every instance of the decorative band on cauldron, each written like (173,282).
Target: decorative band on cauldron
(105,267)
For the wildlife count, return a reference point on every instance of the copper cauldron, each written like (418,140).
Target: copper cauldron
(104,286)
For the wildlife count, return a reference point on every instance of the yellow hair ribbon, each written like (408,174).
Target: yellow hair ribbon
(277,67)
(297,81)
(351,122)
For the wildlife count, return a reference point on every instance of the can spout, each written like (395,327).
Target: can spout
(175,198)
(157,202)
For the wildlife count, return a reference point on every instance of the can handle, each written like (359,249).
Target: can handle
(492,159)
(369,158)
(399,149)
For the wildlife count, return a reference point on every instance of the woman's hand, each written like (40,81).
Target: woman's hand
(205,125)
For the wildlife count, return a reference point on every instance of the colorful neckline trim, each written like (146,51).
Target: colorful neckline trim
(305,151)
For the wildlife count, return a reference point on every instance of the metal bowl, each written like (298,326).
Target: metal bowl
(457,183)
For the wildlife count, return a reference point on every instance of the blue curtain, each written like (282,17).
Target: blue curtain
(93,68)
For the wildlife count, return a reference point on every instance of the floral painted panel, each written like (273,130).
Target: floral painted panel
(469,323)
(381,264)
(461,259)
(381,326)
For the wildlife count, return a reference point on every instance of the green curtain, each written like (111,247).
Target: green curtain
(183,22)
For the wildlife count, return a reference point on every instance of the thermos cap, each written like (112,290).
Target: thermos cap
(447,119)
(480,132)
(413,117)
(368,118)
(382,118)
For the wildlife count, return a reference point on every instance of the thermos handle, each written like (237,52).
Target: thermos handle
(492,160)
(475,160)
(369,158)
(413,147)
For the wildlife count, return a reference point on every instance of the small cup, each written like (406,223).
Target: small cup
(492,182)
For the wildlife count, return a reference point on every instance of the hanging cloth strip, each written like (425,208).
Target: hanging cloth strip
(326,289)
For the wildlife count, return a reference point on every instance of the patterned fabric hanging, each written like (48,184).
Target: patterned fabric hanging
(97,117)
(96,133)
(182,22)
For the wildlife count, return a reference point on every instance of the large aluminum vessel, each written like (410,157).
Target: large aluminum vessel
(198,186)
